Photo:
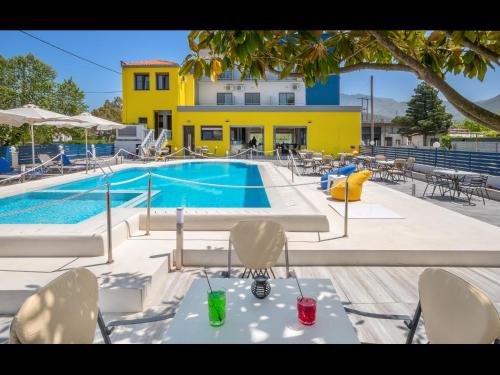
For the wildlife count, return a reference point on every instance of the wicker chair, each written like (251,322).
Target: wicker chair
(397,172)
(444,185)
(408,167)
(475,186)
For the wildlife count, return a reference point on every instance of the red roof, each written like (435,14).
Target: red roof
(149,63)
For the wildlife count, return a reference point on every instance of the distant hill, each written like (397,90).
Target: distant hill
(386,108)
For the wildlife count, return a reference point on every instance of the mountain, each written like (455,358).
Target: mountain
(492,104)
(386,108)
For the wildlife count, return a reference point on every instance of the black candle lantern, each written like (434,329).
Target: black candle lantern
(261,287)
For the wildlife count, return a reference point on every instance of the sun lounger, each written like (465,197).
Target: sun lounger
(48,164)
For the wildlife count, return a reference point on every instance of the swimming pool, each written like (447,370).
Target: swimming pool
(166,193)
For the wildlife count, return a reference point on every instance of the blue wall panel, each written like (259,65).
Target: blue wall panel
(327,94)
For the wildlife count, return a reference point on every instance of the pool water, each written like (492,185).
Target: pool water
(67,212)
(166,193)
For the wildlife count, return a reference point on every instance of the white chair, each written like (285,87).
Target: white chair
(258,244)
(454,311)
(65,311)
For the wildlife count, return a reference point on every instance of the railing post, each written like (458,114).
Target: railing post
(61,152)
(108,224)
(346,207)
(179,248)
(93,153)
(148,214)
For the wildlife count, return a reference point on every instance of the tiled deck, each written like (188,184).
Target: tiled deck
(489,212)
(367,291)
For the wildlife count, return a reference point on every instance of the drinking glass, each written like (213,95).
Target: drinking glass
(216,307)
(306,308)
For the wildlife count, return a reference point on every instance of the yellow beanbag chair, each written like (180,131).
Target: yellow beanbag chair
(356,181)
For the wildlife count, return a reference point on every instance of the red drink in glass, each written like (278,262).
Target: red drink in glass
(306,308)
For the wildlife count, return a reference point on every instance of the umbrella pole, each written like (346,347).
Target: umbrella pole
(86,152)
(33,145)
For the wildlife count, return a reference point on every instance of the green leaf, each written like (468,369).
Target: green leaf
(198,69)
(471,35)
(186,67)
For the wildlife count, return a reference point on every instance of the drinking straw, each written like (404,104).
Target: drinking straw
(208,281)
(297,280)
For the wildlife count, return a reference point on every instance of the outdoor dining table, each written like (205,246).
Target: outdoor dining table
(454,175)
(385,162)
(272,320)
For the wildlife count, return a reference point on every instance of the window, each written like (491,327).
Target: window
(252,98)
(211,133)
(227,75)
(162,81)
(248,77)
(224,98)
(287,98)
(142,81)
(142,120)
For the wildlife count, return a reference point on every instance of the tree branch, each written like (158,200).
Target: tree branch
(479,49)
(376,66)
(465,106)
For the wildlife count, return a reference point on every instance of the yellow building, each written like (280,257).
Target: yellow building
(216,115)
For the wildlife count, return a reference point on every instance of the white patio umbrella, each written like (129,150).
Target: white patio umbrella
(101,123)
(28,114)
(69,123)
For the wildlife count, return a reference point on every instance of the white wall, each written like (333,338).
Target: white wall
(206,90)
(269,91)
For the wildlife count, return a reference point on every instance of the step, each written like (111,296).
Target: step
(129,284)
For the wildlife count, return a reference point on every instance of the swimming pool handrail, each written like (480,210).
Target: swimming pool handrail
(128,181)
(32,169)
(293,163)
(235,186)
(96,162)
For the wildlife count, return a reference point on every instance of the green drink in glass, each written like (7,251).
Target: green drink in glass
(216,307)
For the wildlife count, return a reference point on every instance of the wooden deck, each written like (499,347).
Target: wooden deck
(368,293)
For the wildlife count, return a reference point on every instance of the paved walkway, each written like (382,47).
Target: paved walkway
(489,213)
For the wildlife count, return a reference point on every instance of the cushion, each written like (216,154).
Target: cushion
(66,160)
(356,182)
(345,170)
(4,166)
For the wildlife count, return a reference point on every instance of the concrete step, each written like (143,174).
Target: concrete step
(129,284)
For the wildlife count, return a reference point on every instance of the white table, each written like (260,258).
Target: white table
(272,320)
(453,173)
(385,162)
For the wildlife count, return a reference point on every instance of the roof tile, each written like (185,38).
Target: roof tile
(149,63)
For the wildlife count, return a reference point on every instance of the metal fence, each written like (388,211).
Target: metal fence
(72,150)
(481,162)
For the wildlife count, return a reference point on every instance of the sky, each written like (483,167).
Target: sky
(108,48)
